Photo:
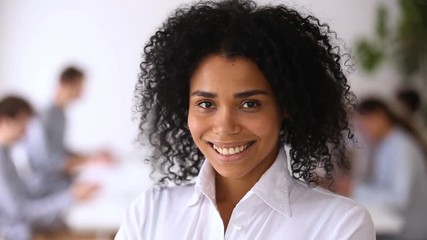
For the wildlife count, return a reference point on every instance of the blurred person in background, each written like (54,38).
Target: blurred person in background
(411,100)
(20,212)
(53,163)
(397,173)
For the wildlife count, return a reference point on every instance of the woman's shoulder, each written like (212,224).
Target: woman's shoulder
(153,206)
(327,201)
(336,213)
(320,195)
(167,195)
(175,192)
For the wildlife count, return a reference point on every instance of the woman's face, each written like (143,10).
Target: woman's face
(233,117)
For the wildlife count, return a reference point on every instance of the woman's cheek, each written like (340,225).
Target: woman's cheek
(196,125)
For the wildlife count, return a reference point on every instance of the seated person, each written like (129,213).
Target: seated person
(20,212)
(397,176)
(52,162)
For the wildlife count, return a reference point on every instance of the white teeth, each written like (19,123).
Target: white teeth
(231,150)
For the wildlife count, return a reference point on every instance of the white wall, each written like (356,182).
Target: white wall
(38,37)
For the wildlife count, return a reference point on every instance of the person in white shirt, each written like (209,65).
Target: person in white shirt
(397,178)
(233,83)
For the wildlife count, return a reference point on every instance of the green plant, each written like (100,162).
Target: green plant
(412,36)
(371,52)
(405,44)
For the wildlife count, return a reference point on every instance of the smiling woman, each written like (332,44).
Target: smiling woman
(223,87)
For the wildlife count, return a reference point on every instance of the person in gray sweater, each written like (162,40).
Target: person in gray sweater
(52,162)
(20,212)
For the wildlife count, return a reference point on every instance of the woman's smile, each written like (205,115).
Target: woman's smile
(229,152)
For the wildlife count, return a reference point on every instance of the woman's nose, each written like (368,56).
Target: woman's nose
(226,123)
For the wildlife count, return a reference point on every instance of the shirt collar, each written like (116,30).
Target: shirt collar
(205,184)
(275,184)
(273,187)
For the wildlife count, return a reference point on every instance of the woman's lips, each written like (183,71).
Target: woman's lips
(231,152)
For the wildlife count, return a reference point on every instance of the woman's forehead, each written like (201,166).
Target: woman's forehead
(217,72)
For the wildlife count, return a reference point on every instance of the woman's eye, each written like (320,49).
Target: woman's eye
(250,104)
(205,105)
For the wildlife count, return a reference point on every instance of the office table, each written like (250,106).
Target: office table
(119,185)
(386,220)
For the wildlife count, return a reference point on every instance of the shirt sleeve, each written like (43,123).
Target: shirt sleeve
(356,224)
(12,225)
(48,210)
(18,231)
(41,156)
(401,164)
(8,205)
(19,211)
(54,125)
(406,158)
(46,164)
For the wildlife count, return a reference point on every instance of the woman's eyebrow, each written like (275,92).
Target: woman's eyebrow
(203,94)
(250,93)
(243,94)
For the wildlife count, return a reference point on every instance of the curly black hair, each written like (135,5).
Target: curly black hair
(295,53)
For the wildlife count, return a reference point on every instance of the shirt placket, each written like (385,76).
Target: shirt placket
(217,224)
(237,226)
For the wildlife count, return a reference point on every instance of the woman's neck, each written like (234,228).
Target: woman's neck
(232,190)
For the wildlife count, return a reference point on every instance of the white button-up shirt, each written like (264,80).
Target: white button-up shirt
(277,207)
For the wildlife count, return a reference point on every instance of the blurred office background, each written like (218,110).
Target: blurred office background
(38,38)
(106,38)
